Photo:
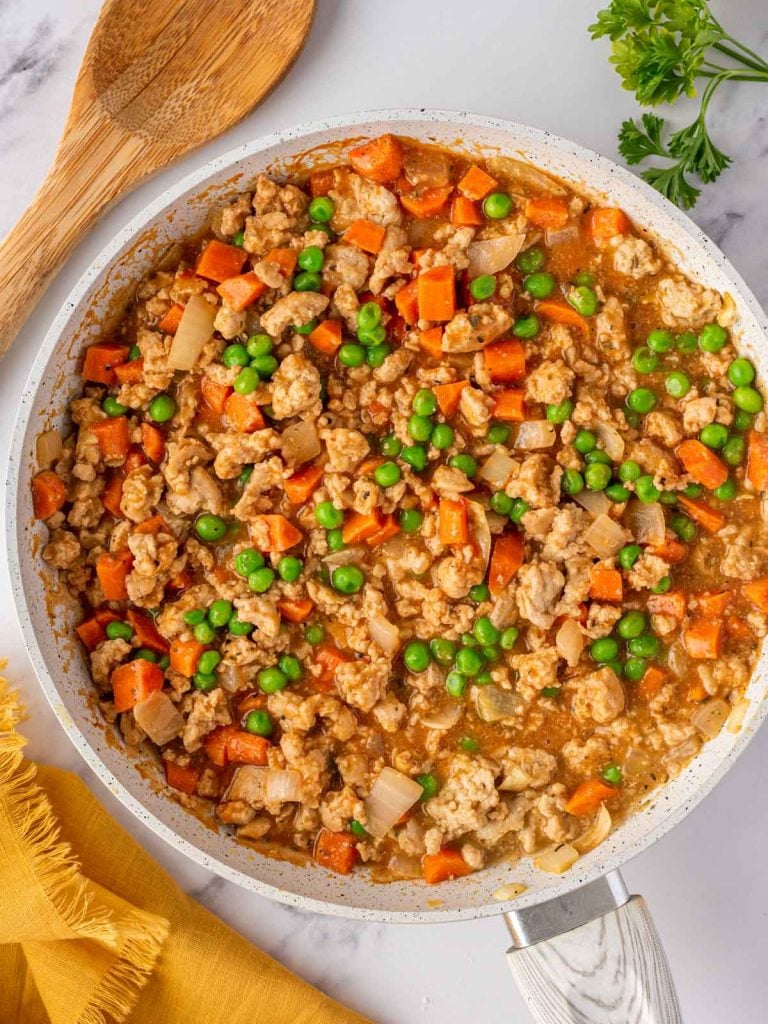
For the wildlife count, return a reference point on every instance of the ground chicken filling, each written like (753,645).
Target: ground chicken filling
(415,515)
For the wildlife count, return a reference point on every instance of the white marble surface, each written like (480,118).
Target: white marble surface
(706,882)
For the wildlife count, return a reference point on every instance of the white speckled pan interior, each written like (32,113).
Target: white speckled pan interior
(180,212)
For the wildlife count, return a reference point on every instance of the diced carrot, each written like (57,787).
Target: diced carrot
(170,322)
(112,571)
(134,459)
(146,631)
(713,605)
(91,633)
(216,742)
(326,337)
(281,533)
(365,235)
(131,372)
(445,864)
(241,291)
(336,851)
(214,395)
(605,223)
(105,615)
(297,610)
(396,329)
(547,212)
(185,655)
(588,796)
(757,461)
(757,592)
(49,492)
(672,550)
(453,521)
(243,413)
(327,657)
(428,202)
(153,443)
(416,256)
(448,396)
(431,341)
(360,526)
(505,361)
(284,258)
(606,585)
(465,213)
(100,361)
(509,405)
(436,293)
(702,463)
(390,529)
(245,748)
(300,486)
(183,777)
(562,313)
(380,160)
(476,183)
(134,682)
(506,558)
(738,628)
(113,436)
(697,692)
(703,638)
(705,516)
(180,581)
(219,261)
(406,301)
(153,525)
(369,466)
(320,183)
(652,681)
(673,603)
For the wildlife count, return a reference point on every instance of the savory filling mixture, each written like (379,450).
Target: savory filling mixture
(415,515)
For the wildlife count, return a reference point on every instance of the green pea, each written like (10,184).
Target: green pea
(597,456)
(235,355)
(742,421)
(328,516)
(429,786)
(442,436)
(265,366)
(347,579)
(530,260)
(205,681)
(646,490)
(468,661)
(519,508)
(210,527)
(483,678)
(162,408)
(684,527)
(469,744)
(612,774)
(604,649)
(134,353)
(113,408)
(144,654)
(272,680)
(443,650)
(247,561)
(289,568)
(194,616)
(314,634)
(245,475)
(387,474)
(540,285)
(306,328)
(647,646)
(631,625)
(247,381)
(635,668)
(357,829)
(259,345)
(687,343)
(498,433)
(314,226)
(390,446)
(259,723)
(376,355)
(629,471)
(335,539)
(417,656)
(261,580)
(583,299)
(642,400)
(485,632)
(660,341)
(373,336)
(239,628)
(238,239)
(424,403)
(321,209)
(748,399)
(219,614)
(482,287)
(584,277)
(312,259)
(597,477)
(550,691)
(572,481)
(509,637)
(369,316)
(664,584)
(677,384)
(351,355)
(291,667)
(118,630)
(497,205)
(420,427)
(668,498)
(416,457)
(501,503)
(479,593)
(465,463)
(410,520)
(629,554)
(726,491)
(618,493)
(714,435)
(307,281)
(208,662)
(712,337)
(585,441)
(204,633)
(734,450)
(456,684)
(741,372)
(561,412)
(692,491)
(526,327)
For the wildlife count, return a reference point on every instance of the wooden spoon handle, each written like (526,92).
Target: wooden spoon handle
(83,181)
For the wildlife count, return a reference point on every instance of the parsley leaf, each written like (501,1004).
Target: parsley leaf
(635,144)
(697,150)
(673,184)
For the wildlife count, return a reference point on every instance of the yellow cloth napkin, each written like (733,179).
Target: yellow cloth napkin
(92,930)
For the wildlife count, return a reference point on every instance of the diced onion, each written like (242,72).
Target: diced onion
(524,176)
(504,611)
(561,236)
(556,859)
(445,718)
(494,704)
(509,891)
(231,677)
(605,536)
(596,832)
(493,254)
(637,761)
(300,442)
(401,866)
(479,531)
(677,658)
(611,441)
(347,556)
(384,634)
(646,522)
(535,434)
(194,331)
(709,718)
(728,311)
(392,794)
(736,717)
(282,786)
(427,168)
(158,717)
(248,784)
(497,469)
(569,642)
(515,781)
(48,448)
(597,503)
(678,755)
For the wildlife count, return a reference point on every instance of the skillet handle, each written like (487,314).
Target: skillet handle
(592,957)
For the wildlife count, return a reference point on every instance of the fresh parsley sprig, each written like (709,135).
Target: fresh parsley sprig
(661,48)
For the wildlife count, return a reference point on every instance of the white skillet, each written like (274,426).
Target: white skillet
(583,951)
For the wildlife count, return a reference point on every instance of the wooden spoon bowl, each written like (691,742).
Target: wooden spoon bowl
(157,80)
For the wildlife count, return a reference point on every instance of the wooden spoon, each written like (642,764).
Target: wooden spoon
(157,80)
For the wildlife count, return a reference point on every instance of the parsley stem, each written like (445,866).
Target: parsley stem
(752,59)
